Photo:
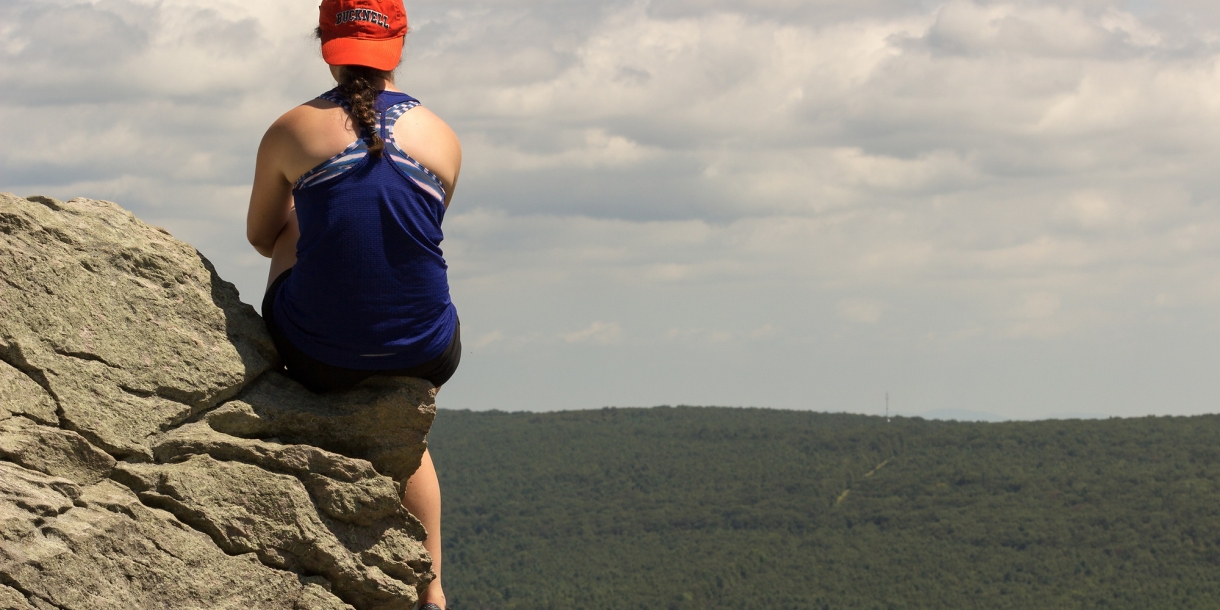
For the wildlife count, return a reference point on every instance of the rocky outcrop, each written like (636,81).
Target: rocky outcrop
(151,456)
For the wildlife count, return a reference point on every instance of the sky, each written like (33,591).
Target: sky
(1009,209)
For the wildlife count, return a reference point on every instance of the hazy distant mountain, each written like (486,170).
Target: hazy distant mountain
(962,415)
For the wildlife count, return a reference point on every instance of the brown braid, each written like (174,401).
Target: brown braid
(356,86)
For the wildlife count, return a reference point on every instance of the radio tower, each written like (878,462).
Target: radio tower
(887,406)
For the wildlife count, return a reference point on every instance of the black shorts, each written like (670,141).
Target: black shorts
(321,377)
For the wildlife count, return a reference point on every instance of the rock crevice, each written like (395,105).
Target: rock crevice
(150,455)
(16,599)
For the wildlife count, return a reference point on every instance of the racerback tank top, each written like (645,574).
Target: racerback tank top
(370,289)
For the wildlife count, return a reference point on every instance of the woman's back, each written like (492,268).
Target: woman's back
(369,288)
(312,133)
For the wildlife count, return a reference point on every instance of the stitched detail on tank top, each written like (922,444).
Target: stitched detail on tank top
(335,166)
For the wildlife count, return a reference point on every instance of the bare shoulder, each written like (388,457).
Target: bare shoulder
(307,135)
(429,140)
(424,123)
(306,122)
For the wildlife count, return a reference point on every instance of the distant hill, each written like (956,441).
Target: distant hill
(962,415)
(689,507)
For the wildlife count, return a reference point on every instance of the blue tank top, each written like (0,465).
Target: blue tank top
(370,289)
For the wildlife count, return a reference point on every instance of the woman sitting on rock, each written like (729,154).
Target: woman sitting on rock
(348,197)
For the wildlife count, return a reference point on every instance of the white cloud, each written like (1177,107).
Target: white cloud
(587,149)
(764,332)
(995,175)
(486,339)
(598,333)
(863,311)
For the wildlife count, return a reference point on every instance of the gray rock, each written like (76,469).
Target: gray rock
(246,509)
(345,489)
(130,330)
(238,489)
(383,420)
(12,599)
(20,395)
(60,453)
(98,548)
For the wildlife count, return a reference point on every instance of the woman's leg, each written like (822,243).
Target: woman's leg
(284,255)
(423,498)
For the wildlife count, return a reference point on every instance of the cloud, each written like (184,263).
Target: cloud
(718,167)
(764,332)
(863,311)
(486,339)
(710,336)
(598,333)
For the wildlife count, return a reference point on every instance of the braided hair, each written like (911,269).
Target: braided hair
(356,86)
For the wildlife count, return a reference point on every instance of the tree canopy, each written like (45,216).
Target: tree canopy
(699,507)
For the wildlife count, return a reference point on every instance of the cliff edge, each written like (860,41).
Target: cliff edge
(150,456)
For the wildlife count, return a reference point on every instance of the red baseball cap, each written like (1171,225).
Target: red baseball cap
(363,32)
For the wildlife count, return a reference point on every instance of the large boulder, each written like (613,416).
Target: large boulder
(151,456)
(98,547)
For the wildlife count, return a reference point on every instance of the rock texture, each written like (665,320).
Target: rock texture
(150,455)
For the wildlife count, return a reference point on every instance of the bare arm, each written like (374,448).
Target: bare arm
(271,196)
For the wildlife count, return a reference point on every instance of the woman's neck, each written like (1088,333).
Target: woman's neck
(383,84)
(378,82)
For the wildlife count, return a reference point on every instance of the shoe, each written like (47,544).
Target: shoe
(430,606)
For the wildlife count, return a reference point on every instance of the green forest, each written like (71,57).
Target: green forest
(701,507)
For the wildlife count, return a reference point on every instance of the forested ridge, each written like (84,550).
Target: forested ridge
(700,507)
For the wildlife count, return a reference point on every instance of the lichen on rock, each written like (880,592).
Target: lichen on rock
(152,457)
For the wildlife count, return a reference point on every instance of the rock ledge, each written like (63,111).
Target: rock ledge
(150,455)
